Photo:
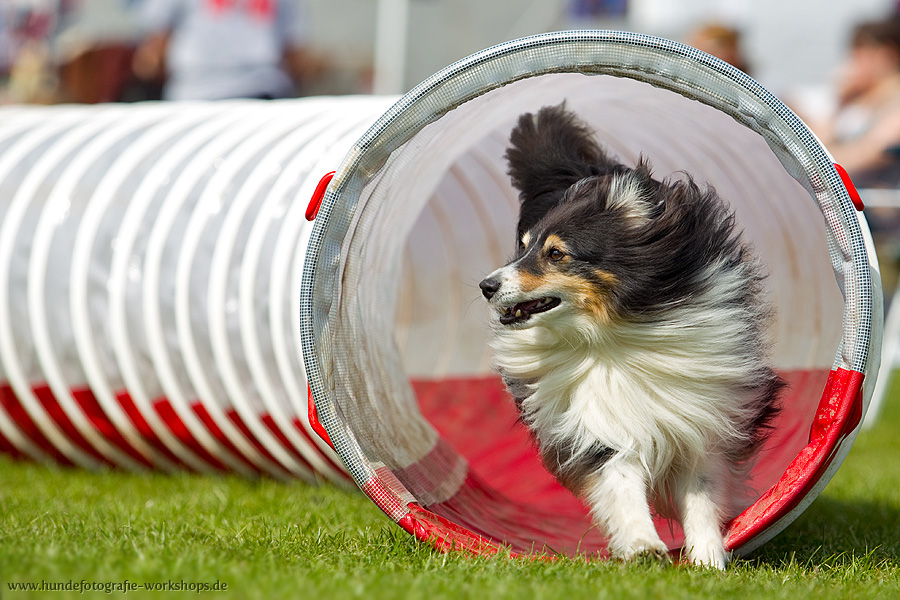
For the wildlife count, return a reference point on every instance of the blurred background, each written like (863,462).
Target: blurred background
(84,50)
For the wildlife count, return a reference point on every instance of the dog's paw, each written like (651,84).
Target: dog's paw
(711,556)
(646,552)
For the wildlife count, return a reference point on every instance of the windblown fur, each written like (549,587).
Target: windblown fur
(630,331)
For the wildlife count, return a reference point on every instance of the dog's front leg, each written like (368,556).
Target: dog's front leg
(699,499)
(617,495)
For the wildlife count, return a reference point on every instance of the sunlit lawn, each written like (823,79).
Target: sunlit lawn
(264,539)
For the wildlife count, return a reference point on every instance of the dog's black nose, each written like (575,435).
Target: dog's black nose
(489,287)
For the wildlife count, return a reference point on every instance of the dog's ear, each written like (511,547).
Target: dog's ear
(637,193)
(653,190)
(550,151)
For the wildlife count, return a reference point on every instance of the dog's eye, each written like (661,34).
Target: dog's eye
(555,254)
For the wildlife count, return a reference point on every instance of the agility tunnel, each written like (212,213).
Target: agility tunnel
(140,245)
(165,302)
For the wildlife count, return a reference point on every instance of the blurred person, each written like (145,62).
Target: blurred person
(863,133)
(597,9)
(217,49)
(31,79)
(93,51)
(595,14)
(722,42)
(26,66)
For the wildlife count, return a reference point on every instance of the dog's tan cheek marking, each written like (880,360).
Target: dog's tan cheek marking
(606,278)
(600,302)
(529,282)
(584,294)
(599,305)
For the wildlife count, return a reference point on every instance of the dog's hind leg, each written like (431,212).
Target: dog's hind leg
(618,497)
(699,498)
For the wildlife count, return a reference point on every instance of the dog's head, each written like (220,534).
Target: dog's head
(598,238)
(576,255)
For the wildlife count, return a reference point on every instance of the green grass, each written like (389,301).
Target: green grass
(270,540)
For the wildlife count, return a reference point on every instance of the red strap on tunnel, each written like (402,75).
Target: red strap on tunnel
(851,189)
(839,413)
(444,535)
(316,201)
(314,417)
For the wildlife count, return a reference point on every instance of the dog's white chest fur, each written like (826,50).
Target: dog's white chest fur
(605,405)
(653,404)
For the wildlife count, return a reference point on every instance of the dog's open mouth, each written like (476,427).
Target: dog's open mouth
(521,312)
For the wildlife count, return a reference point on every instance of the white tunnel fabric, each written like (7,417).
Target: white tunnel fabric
(137,264)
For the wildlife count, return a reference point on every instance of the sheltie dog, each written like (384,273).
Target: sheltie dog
(629,327)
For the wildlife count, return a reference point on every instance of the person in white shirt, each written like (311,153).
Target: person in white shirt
(218,49)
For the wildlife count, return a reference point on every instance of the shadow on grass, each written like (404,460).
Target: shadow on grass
(833,528)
